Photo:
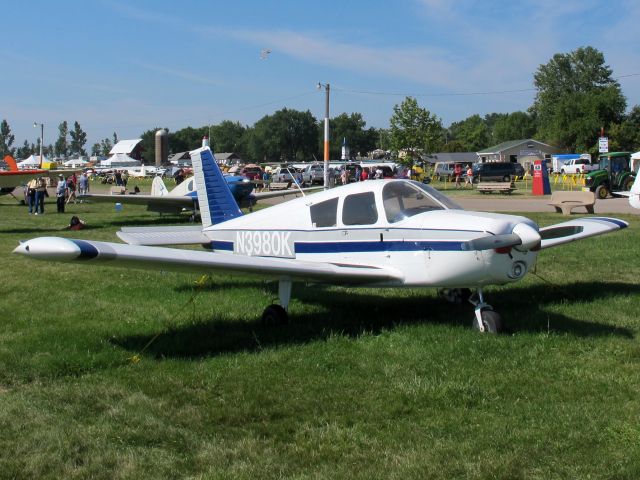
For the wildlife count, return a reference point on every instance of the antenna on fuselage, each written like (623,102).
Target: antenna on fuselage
(295,182)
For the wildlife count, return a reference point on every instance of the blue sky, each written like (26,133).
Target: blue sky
(131,66)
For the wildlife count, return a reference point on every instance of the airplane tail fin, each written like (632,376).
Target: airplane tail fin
(11,163)
(158,188)
(215,199)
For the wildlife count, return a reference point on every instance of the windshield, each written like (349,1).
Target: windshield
(402,200)
(440,197)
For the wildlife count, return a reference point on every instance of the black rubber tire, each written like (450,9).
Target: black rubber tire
(602,192)
(491,322)
(506,178)
(275,315)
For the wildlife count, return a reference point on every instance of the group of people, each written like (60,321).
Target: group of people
(458,173)
(36,191)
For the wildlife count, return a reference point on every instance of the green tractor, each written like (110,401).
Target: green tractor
(614,174)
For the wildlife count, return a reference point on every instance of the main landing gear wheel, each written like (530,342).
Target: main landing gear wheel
(275,315)
(491,322)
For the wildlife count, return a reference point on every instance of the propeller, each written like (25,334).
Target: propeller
(523,237)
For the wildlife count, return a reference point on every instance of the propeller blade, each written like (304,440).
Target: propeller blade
(491,242)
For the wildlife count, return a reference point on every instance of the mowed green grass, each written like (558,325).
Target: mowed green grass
(363,383)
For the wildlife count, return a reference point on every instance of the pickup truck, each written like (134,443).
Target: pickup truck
(578,165)
(313,174)
(281,174)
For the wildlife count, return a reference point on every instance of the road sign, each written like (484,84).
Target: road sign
(603,144)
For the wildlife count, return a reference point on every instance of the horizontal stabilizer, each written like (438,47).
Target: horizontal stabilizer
(578,229)
(180,235)
(175,259)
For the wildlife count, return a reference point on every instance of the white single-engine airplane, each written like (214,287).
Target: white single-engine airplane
(634,193)
(390,233)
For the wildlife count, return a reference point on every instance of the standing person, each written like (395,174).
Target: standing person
(365,174)
(125,178)
(358,173)
(469,179)
(71,187)
(31,195)
(41,192)
(118,178)
(83,184)
(344,176)
(61,190)
(457,173)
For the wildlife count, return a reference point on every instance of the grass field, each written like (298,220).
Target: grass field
(367,383)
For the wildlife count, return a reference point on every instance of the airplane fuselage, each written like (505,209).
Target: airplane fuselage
(428,248)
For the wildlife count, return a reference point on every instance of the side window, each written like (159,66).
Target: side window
(324,214)
(360,209)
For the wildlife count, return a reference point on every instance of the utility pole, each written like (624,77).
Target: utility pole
(327,89)
(35,124)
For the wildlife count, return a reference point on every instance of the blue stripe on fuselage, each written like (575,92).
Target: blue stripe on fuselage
(362,247)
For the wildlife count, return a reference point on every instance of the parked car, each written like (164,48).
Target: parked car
(281,174)
(313,174)
(578,165)
(497,171)
(252,172)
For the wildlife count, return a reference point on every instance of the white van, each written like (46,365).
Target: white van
(444,169)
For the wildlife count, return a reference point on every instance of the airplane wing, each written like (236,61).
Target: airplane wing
(578,229)
(160,258)
(165,204)
(14,179)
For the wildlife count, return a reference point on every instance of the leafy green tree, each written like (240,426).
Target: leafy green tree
(61,147)
(625,136)
(513,126)
(24,151)
(105,147)
(6,140)
(186,139)
(576,96)
(286,135)
(352,127)
(78,140)
(229,136)
(472,133)
(454,146)
(415,129)
(95,149)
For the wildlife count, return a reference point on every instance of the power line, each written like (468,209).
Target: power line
(454,94)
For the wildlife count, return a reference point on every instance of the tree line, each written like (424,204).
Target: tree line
(576,97)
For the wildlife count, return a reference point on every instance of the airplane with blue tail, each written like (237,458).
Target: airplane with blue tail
(378,233)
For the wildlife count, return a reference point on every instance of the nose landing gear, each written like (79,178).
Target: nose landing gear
(486,320)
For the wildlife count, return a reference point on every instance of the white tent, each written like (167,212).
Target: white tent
(125,146)
(31,162)
(75,163)
(119,160)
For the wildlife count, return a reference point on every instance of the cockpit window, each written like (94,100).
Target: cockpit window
(440,197)
(324,214)
(405,199)
(359,209)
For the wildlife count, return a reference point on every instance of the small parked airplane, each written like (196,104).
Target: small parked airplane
(184,196)
(12,178)
(382,233)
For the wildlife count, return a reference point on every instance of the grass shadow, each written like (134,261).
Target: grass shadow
(353,314)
